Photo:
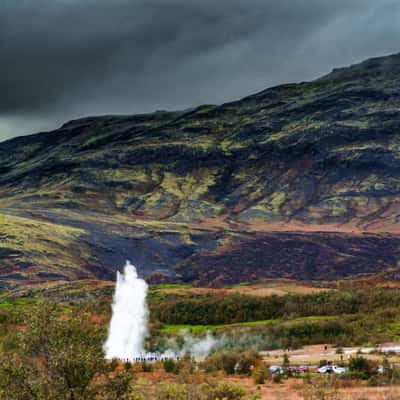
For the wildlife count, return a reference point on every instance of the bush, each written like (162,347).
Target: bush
(226,361)
(186,363)
(259,376)
(113,364)
(232,362)
(360,364)
(169,366)
(146,367)
(172,391)
(229,362)
(391,375)
(119,387)
(277,378)
(246,362)
(350,375)
(185,367)
(228,391)
(127,366)
(373,381)
(74,365)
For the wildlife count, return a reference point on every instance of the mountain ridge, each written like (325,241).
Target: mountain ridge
(181,192)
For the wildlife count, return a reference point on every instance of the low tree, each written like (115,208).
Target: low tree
(57,358)
(118,388)
(169,366)
(259,376)
(362,365)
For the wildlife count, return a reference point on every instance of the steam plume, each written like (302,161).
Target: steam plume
(197,347)
(128,326)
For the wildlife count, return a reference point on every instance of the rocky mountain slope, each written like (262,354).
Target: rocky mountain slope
(299,181)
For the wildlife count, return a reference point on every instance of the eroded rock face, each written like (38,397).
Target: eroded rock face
(178,191)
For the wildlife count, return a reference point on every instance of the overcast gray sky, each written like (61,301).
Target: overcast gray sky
(63,59)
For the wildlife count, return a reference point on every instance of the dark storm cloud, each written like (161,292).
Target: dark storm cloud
(61,59)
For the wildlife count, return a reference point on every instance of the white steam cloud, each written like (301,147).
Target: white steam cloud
(198,347)
(128,326)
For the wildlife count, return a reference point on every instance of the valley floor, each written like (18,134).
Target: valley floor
(292,390)
(311,355)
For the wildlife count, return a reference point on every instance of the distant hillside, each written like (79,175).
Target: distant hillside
(299,181)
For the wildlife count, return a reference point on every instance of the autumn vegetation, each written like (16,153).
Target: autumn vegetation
(53,350)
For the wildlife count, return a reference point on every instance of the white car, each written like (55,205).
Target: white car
(276,369)
(331,369)
(339,370)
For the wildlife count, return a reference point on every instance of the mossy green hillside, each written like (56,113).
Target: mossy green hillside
(177,192)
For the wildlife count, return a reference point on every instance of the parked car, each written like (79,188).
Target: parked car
(325,369)
(331,369)
(339,370)
(298,369)
(302,369)
(276,369)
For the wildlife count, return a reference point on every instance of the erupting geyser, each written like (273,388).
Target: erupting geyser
(128,326)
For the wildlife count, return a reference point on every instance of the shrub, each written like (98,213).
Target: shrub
(228,391)
(391,375)
(373,381)
(172,391)
(119,387)
(74,365)
(246,362)
(113,364)
(169,366)
(186,363)
(350,375)
(226,361)
(232,362)
(361,365)
(127,366)
(146,367)
(229,362)
(259,376)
